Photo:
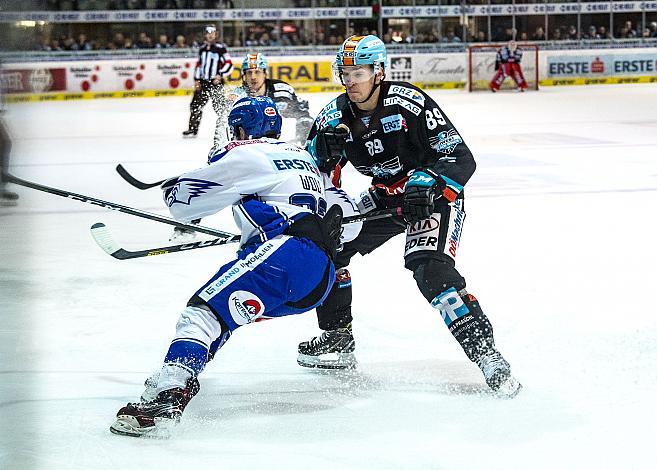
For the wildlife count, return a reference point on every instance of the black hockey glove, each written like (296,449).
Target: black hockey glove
(423,188)
(329,146)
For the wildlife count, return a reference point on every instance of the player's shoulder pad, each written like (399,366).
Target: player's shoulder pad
(217,153)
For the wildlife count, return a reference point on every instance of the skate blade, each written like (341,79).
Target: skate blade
(332,361)
(509,388)
(189,136)
(6,203)
(129,426)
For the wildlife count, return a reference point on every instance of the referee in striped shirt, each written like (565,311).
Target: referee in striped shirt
(213,65)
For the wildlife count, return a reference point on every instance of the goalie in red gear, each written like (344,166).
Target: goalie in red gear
(507,63)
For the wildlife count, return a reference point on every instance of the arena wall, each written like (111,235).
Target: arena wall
(155,77)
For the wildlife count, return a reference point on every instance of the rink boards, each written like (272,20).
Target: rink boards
(131,78)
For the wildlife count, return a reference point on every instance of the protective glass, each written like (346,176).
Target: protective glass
(353,74)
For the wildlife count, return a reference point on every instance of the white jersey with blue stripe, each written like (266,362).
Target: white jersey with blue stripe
(269,184)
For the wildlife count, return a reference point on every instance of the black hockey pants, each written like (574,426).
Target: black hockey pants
(207,91)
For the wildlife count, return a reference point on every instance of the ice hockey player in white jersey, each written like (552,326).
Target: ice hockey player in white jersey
(289,236)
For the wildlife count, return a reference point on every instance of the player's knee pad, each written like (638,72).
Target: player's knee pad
(335,311)
(434,276)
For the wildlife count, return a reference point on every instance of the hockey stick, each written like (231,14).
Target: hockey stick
(106,242)
(117,207)
(120,169)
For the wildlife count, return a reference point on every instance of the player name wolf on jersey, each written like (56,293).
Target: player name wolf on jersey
(269,184)
(407,130)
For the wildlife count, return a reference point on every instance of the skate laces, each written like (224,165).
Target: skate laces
(492,363)
(331,335)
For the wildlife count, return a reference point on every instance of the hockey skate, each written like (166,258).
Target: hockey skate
(155,418)
(333,349)
(189,134)
(497,373)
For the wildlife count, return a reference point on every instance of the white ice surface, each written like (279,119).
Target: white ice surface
(559,246)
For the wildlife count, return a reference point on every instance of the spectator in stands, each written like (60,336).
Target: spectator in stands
(539,34)
(480,37)
(127,44)
(83,43)
(646,33)
(631,32)
(264,40)
(653,29)
(144,41)
(592,33)
(274,37)
(118,40)
(181,43)
(556,35)
(69,44)
(450,36)
(251,40)
(602,32)
(53,45)
(572,33)
(163,42)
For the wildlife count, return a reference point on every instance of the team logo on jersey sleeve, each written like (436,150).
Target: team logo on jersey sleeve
(245,307)
(446,141)
(187,189)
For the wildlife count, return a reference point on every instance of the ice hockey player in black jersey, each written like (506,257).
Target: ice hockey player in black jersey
(418,161)
(256,83)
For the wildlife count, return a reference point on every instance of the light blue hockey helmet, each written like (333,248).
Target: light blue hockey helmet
(254,61)
(362,50)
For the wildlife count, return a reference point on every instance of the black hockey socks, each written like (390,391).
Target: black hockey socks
(335,312)
(466,321)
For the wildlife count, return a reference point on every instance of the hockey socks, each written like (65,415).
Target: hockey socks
(466,321)
(471,328)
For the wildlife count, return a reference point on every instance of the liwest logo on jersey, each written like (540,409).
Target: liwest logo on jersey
(397,100)
(406,92)
(393,123)
(245,307)
(187,189)
(446,141)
